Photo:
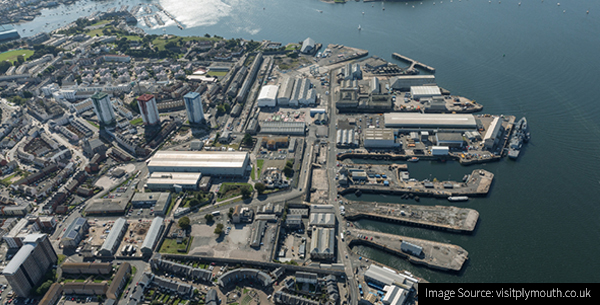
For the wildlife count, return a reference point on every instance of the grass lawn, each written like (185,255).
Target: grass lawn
(61,259)
(93,124)
(230,190)
(171,246)
(6,181)
(137,121)
(12,55)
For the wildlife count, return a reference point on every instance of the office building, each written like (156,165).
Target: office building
(103,108)
(148,109)
(193,106)
(75,232)
(29,265)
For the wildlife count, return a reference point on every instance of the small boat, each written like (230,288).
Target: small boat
(359,28)
(413,159)
(358,193)
(458,198)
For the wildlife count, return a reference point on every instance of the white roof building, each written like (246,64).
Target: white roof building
(208,163)
(425,91)
(268,96)
(429,120)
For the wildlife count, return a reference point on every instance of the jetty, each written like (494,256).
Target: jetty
(478,184)
(445,218)
(413,63)
(434,255)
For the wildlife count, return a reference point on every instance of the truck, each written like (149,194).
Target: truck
(216,213)
(342,236)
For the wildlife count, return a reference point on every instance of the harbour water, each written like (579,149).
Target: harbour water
(541,220)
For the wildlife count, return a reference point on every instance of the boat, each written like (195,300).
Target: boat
(520,135)
(413,159)
(458,198)
(359,28)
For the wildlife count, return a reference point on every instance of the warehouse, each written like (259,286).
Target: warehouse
(383,138)
(419,92)
(381,276)
(152,236)
(322,245)
(283,128)
(161,181)
(268,96)
(205,162)
(430,121)
(113,239)
(405,82)
(285,92)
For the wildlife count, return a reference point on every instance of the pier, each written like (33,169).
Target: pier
(413,63)
(435,255)
(478,184)
(445,218)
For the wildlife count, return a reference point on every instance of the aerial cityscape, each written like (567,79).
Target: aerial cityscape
(147,160)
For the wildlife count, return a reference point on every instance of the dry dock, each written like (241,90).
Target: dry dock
(436,255)
(448,218)
(413,63)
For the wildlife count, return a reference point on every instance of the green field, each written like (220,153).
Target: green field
(12,55)
(171,246)
(217,73)
(137,121)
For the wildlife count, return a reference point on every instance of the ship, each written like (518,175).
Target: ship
(413,159)
(458,198)
(520,135)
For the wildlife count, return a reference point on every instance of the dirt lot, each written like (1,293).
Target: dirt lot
(233,245)
(135,233)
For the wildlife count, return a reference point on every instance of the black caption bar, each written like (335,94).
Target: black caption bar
(463,294)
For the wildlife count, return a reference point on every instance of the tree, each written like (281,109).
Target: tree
(260,188)
(184,222)
(20,59)
(246,193)
(194,202)
(230,214)
(247,139)
(5,65)
(208,217)
(219,229)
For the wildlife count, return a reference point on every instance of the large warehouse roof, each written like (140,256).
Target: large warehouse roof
(186,160)
(429,120)
(268,92)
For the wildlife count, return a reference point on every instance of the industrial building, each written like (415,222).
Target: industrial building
(308,46)
(322,215)
(193,106)
(394,295)
(302,93)
(148,109)
(375,87)
(491,135)
(267,96)
(382,277)
(113,239)
(75,232)
(161,181)
(346,138)
(429,121)
(419,92)
(7,32)
(160,201)
(379,138)
(153,235)
(29,265)
(205,162)
(449,139)
(103,108)
(258,230)
(411,249)
(440,150)
(405,82)
(283,128)
(322,244)
(285,91)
